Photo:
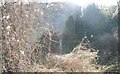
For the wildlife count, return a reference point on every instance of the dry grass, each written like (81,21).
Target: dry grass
(79,61)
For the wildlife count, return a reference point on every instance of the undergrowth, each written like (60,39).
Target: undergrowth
(23,52)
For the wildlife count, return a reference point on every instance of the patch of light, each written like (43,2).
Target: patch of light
(8,27)
(80,2)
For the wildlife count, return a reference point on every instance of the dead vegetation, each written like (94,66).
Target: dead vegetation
(20,52)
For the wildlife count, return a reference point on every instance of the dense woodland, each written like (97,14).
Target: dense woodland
(58,37)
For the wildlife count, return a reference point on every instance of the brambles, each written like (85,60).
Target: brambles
(17,21)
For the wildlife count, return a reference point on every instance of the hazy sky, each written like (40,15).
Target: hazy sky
(99,2)
(85,2)
(78,2)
